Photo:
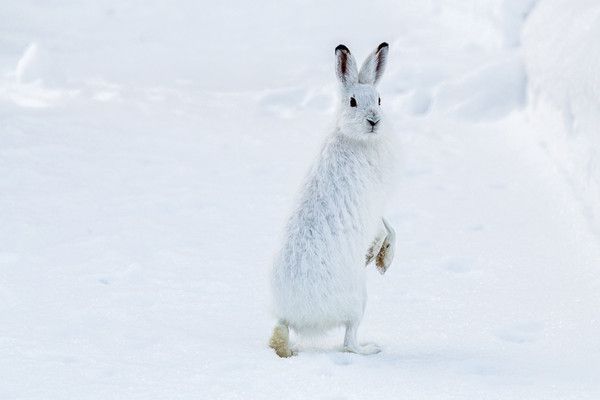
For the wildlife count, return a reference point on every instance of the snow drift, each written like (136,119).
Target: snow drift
(561,50)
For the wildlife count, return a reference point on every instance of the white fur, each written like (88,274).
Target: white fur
(318,278)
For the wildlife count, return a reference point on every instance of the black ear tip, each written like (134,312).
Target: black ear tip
(341,47)
(382,45)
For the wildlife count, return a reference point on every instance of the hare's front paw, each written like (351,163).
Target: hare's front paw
(365,350)
(385,256)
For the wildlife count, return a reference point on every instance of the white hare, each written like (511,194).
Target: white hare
(337,227)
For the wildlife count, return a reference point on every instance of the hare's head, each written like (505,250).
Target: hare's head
(360,111)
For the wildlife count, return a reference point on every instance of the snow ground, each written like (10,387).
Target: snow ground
(148,155)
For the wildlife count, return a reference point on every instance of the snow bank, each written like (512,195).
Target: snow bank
(562,57)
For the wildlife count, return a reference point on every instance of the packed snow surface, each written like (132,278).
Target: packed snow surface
(150,152)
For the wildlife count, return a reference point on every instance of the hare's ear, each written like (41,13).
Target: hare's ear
(345,66)
(374,65)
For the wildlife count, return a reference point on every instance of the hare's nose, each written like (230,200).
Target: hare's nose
(373,123)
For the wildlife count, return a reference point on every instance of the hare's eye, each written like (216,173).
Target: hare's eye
(380,101)
(352,102)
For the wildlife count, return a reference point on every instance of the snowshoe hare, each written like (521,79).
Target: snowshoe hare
(337,228)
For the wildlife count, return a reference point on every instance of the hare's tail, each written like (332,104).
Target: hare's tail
(280,340)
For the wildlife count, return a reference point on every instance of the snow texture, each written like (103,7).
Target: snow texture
(562,54)
(150,152)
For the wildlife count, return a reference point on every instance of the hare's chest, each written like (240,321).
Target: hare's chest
(362,177)
(359,193)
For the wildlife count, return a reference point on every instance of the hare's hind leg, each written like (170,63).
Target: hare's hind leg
(351,343)
(280,340)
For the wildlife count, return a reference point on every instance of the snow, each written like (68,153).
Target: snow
(562,58)
(149,153)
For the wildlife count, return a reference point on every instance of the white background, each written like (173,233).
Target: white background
(149,152)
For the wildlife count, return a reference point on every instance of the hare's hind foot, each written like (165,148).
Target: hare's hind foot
(365,350)
(351,343)
(280,341)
